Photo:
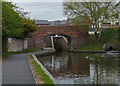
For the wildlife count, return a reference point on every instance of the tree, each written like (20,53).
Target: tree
(98,12)
(15,24)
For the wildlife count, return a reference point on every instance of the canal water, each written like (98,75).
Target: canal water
(82,68)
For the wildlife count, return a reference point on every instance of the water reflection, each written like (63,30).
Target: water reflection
(79,68)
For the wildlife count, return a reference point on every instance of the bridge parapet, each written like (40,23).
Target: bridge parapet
(76,35)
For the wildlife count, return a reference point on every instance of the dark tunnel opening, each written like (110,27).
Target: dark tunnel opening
(110,48)
(57,44)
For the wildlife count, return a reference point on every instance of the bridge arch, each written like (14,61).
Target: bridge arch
(76,35)
(50,39)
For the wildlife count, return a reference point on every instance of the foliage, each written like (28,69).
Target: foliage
(90,44)
(29,26)
(15,24)
(19,52)
(30,55)
(109,36)
(94,13)
(40,72)
(10,21)
(24,51)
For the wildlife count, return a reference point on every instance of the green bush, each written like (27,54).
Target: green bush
(109,36)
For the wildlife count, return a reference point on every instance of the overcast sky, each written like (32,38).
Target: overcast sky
(44,10)
(47,10)
(36,0)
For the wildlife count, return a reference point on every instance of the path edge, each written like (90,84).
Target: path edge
(45,70)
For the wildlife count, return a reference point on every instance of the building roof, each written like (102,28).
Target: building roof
(63,22)
(52,23)
(55,22)
(70,20)
(42,22)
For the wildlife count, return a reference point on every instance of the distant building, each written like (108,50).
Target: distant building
(61,23)
(55,23)
(109,24)
(115,22)
(42,23)
(68,22)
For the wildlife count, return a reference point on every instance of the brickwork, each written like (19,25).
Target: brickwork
(77,35)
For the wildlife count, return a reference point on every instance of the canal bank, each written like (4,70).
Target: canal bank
(88,51)
(42,53)
(40,73)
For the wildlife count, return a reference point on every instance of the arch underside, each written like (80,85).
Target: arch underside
(60,41)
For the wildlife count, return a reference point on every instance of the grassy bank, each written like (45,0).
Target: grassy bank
(40,73)
(108,36)
(90,45)
(19,52)
(24,51)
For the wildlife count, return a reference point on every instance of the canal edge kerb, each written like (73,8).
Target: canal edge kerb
(44,69)
(32,71)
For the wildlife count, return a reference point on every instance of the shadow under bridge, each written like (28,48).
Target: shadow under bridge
(57,42)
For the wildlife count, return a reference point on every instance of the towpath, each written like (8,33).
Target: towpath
(16,70)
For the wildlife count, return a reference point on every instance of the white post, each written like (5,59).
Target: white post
(52,62)
(52,42)
(118,9)
(119,18)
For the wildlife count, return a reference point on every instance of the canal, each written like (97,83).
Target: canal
(82,68)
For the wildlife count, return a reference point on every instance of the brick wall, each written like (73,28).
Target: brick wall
(78,34)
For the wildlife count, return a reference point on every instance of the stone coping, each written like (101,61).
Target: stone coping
(46,52)
(88,51)
(44,69)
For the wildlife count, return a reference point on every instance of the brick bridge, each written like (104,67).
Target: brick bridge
(75,35)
